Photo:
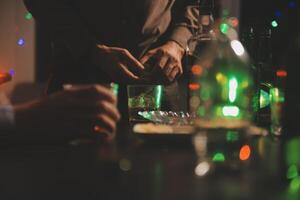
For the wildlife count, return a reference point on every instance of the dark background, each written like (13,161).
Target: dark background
(255,13)
(260,13)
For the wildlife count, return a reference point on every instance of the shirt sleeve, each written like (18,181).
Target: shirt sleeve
(186,24)
(7,118)
(63,20)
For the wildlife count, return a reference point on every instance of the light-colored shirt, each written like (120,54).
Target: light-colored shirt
(7,117)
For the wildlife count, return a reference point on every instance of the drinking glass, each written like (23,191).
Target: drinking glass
(143,98)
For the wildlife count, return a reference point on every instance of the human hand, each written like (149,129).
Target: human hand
(167,61)
(119,64)
(74,110)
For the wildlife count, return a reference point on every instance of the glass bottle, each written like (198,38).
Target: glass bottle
(221,88)
(249,42)
(200,40)
(264,63)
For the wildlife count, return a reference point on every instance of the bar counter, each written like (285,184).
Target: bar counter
(129,168)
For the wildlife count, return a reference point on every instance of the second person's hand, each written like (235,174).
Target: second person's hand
(119,64)
(167,65)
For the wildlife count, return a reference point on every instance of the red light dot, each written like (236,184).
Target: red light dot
(281,73)
(4,77)
(245,152)
(234,22)
(197,70)
(194,86)
(97,129)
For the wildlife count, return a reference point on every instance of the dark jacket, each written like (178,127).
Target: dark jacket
(76,26)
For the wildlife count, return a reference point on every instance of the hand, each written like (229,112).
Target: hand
(167,60)
(75,110)
(119,64)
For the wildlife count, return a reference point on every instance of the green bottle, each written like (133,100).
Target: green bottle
(221,88)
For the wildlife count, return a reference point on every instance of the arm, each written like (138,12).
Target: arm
(185,24)
(69,112)
(169,55)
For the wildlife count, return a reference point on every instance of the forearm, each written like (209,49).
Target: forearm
(185,25)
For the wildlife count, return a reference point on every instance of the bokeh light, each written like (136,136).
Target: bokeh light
(292,172)
(237,47)
(12,72)
(197,70)
(219,157)
(21,42)
(245,152)
(194,86)
(28,16)
(202,168)
(274,24)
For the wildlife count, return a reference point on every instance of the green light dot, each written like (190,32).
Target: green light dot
(224,28)
(28,16)
(225,12)
(295,184)
(264,99)
(292,172)
(232,136)
(219,157)
(274,23)
(201,111)
(205,94)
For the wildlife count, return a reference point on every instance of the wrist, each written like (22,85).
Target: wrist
(177,46)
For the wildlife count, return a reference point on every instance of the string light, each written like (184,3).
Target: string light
(274,24)
(281,73)
(292,4)
(21,42)
(28,16)
(12,72)
(278,13)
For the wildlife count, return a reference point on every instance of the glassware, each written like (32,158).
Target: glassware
(276,105)
(143,98)
(221,86)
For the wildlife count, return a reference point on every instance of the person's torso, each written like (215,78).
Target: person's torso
(126,23)
(131,24)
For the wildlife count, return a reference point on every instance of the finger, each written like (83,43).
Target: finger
(132,61)
(109,109)
(148,55)
(108,124)
(126,74)
(180,67)
(162,61)
(174,73)
(169,67)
